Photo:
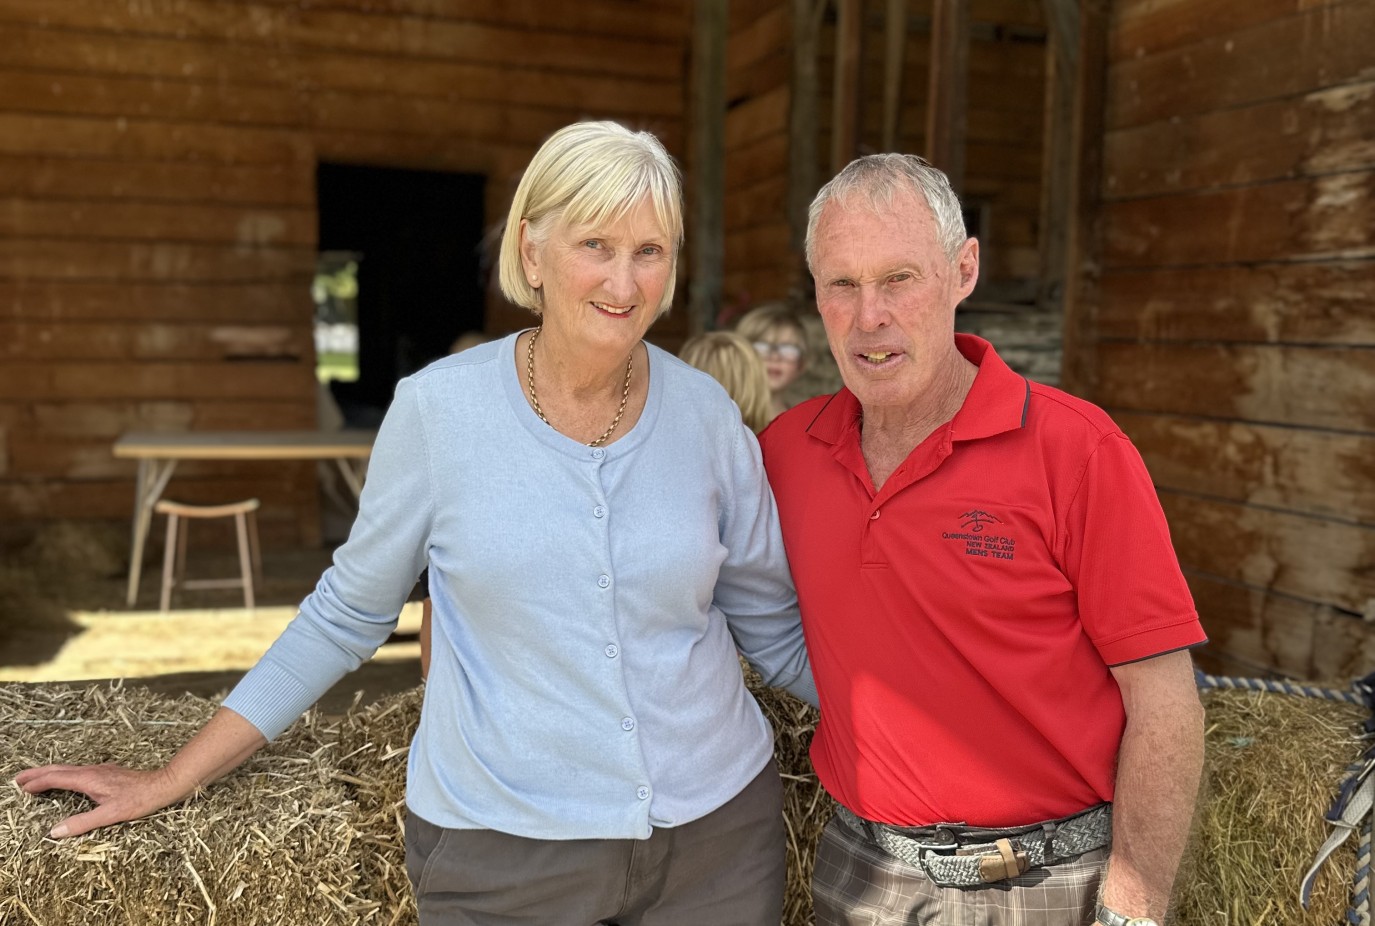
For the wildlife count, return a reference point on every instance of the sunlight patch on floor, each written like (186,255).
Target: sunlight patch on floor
(133,644)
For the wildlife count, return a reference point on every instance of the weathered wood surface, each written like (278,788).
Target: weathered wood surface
(1144,27)
(112,301)
(1314,49)
(1296,303)
(1324,218)
(1315,559)
(1311,387)
(1327,131)
(1228,310)
(1261,632)
(1306,471)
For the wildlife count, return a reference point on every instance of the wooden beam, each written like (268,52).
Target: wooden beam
(895,41)
(1062,61)
(1082,245)
(706,226)
(846,97)
(803,120)
(947,88)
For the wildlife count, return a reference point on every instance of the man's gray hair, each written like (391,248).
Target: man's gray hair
(880,177)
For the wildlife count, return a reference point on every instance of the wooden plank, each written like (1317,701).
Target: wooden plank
(847,87)
(289,184)
(895,44)
(758,40)
(30,260)
(113,499)
(1343,647)
(764,246)
(1323,561)
(763,203)
(803,148)
(210,61)
(1303,386)
(396,114)
(758,160)
(105,421)
(270,24)
(517,83)
(706,229)
(1256,627)
(133,221)
(406,39)
(78,300)
(1322,218)
(154,341)
(1147,27)
(87,380)
(156,97)
(1057,155)
(947,89)
(1305,303)
(756,118)
(758,78)
(1327,131)
(149,139)
(631,18)
(1319,48)
(1305,471)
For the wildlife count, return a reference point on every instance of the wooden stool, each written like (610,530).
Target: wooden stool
(245,524)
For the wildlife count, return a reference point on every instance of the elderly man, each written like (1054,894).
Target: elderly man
(997,622)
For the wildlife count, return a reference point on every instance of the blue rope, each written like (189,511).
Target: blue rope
(1358,914)
(1359,693)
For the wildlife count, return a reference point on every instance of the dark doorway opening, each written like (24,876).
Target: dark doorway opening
(417,237)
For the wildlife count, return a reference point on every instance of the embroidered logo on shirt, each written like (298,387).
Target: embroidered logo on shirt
(978,540)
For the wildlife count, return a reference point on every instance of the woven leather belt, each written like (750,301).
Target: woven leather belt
(959,856)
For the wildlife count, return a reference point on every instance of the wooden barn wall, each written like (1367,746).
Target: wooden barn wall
(1006,103)
(157,201)
(759,264)
(1235,336)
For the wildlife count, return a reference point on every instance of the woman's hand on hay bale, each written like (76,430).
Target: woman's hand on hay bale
(122,794)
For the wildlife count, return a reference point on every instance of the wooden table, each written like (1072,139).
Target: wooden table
(158,454)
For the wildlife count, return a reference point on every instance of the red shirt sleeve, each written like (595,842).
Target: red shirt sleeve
(1133,600)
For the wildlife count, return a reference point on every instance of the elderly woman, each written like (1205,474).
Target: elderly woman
(600,539)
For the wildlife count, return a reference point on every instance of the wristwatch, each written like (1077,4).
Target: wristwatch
(1110,917)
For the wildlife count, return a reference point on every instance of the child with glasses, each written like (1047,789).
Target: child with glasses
(779,337)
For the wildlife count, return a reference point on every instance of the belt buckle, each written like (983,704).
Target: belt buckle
(945,846)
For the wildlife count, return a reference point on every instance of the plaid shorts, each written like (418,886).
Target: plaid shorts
(855,883)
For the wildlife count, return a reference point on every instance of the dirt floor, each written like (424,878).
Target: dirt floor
(63,619)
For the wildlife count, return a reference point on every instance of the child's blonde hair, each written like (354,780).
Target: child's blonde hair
(732,361)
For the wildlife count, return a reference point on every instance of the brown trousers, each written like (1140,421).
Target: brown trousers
(726,869)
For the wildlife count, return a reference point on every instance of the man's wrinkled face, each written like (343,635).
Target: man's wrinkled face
(887,294)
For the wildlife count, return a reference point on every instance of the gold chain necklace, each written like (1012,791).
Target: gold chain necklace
(534,399)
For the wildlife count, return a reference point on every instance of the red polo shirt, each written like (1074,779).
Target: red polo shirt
(962,619)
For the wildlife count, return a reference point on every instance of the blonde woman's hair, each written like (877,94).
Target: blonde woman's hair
(589,173)
(732,362)
(763,320)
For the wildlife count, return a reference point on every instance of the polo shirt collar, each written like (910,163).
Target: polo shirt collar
(999,399)
(997,402)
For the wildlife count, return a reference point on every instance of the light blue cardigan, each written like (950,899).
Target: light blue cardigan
(587,604)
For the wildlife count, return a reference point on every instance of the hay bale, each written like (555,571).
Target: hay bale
(1273,765)
(806,805)
(277,842)
(310,829)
